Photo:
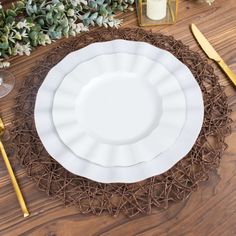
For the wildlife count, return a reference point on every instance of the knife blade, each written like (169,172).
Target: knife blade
(212,53)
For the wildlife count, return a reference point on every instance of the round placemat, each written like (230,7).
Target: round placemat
(130,199)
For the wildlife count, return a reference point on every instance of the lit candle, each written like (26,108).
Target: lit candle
(156,9)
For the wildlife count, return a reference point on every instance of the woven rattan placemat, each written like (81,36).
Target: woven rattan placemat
(130,199)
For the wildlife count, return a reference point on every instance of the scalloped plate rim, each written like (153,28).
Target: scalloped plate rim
(58,99)
(117,174)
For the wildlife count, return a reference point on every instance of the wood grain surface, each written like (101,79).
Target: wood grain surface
(210,211)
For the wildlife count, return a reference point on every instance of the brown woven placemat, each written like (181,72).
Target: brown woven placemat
(131,199)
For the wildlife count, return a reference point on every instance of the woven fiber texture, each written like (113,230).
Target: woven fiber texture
(130,199)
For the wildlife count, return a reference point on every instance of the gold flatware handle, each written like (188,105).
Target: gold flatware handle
(14,181)
(228,71)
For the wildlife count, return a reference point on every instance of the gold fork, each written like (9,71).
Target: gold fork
(11,173)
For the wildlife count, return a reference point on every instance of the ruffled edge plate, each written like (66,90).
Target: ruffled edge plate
(78,166)
(149,132)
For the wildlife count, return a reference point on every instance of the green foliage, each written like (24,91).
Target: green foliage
(28,24)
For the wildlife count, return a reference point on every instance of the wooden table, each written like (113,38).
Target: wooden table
(210,211)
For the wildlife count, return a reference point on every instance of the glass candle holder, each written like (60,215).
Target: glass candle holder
(156,12)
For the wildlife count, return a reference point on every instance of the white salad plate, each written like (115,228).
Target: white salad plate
(119,109)
(59,150)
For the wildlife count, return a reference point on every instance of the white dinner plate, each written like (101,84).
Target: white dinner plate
(72,162)
(119,109)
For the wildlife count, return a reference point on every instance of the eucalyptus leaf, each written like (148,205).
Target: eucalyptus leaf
(9,50)
(92,4)
(4,45)
(64,22)
(57,16)
(58,34)
(65,30)
(52,28)
(3,53)
(60,7)
(29,9)
(120,8)
(72,33)
(49,18)
(52,34)
(41,39)
(42,4)
(10,12)
(43,12)
(109,10)
(94,16)
(111,24)
(34,43)
(20,4)
(105,25)
(55,34)
(80,8)
(35,8)
(59,29)
(48,7)
(86,15)
(103,11)
(99,20)
(86,21)
(9,19)
(33,35)
(41,21)
(6,29)
(100,2)
(114,5)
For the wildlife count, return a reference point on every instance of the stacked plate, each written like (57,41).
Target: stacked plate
(119,111)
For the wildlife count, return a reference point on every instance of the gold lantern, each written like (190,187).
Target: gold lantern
(156,12)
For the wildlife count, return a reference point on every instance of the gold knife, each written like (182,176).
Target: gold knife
(211,53)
